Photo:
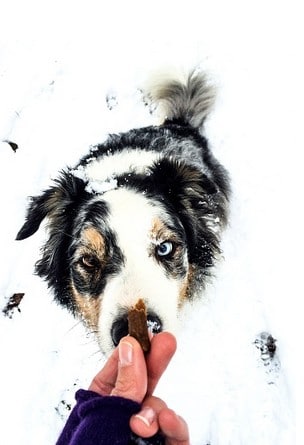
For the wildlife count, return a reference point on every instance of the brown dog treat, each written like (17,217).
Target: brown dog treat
(137,320)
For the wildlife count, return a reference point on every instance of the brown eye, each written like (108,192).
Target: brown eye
(89,262)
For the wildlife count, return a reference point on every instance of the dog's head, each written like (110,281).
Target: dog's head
(151,236)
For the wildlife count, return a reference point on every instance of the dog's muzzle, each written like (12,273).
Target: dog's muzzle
(120,327)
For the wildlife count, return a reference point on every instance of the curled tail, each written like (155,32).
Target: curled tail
(187,100)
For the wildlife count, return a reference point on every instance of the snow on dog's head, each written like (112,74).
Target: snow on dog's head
(139,217)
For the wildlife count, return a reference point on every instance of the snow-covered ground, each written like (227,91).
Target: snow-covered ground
(69,74)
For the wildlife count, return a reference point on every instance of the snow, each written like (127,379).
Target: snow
(95,185)
(70,73)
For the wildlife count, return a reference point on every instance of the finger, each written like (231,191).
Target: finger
(174,428)
(155,416)
(104,382)
(131,381)
(145,423)
(163,347)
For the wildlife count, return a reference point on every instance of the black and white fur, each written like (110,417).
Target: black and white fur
(139,217)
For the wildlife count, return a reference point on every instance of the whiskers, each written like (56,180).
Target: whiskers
(88,338)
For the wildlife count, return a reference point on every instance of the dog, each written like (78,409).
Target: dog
(140,216)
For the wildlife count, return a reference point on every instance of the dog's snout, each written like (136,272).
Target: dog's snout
(120,327)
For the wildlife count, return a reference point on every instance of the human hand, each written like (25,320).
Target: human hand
(129,374)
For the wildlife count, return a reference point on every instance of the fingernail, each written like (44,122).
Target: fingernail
(146,415)
(125,352)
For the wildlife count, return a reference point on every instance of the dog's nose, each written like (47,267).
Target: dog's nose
(120,327)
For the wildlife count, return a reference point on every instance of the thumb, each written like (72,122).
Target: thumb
(131,382)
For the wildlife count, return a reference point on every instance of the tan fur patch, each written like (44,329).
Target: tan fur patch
(88,308)
(159,230)
(94,240)
(186,287)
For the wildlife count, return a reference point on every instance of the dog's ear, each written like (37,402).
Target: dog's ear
(38,209)
(52,203)
(191,190)
(59,204)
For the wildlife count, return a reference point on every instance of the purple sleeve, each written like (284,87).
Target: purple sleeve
(98,420)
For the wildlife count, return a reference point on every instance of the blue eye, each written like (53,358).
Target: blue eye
(164,249)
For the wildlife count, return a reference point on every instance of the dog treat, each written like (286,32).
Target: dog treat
(137,320)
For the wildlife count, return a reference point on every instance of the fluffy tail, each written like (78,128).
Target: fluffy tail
(187,100)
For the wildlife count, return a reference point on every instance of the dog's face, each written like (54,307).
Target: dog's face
(132,248)
(151,237)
